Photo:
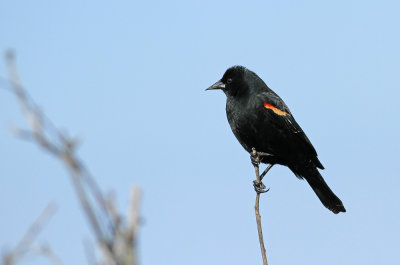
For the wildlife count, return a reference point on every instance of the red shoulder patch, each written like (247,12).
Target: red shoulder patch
(275,110)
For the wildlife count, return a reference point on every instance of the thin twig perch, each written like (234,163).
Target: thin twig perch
(259,186)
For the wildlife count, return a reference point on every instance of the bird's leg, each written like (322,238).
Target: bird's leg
(255,157)
(266,171)
(259,187)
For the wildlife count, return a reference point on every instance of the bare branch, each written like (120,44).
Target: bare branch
(134,212)
(115,240)
(25,244)
(259,187)
(47,252)
(259,228)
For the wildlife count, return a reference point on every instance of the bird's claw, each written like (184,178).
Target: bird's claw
(259,187)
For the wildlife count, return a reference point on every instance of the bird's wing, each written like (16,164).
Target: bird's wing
(279,113)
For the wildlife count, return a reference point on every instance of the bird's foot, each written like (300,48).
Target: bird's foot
(259,187)
(255,157)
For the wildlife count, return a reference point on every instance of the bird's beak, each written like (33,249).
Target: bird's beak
(218,85)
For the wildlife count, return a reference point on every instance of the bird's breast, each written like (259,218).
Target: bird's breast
(243,123)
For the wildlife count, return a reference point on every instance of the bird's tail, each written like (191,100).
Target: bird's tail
(324,193)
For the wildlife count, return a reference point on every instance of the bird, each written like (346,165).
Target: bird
(262,121)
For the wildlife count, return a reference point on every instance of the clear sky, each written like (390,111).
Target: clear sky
(128,78)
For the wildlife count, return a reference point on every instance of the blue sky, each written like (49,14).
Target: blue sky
(128,78)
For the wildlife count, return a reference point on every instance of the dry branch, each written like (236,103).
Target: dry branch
(116,240)
(26,244)
(259,187)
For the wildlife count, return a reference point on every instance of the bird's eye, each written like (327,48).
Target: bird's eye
(229,80)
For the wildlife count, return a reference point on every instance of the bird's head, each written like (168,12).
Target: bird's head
(238,81)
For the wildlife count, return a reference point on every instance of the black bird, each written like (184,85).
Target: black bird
(260,119)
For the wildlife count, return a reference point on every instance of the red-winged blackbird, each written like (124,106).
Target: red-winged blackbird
(260,119)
